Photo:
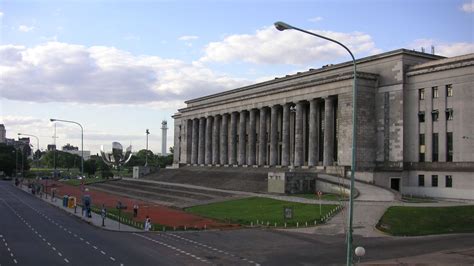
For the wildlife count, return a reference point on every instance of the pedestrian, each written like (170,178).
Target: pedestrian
(147,225)
(135,210)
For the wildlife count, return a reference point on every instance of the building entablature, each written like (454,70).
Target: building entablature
(442,65)
(285,93)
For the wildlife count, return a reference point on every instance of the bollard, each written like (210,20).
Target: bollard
(251,224)
(285,225)
(297,224)
(185,228)
(164,229)
(268,223)
(306,224)
(174,228)
(275,225)
(205,227)
(314,222)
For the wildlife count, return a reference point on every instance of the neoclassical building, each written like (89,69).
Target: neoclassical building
(414,123)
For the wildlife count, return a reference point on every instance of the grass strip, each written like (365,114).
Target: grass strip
(417,221)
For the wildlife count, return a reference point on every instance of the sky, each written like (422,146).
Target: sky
(121,67)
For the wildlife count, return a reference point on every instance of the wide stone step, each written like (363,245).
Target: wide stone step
(164,191)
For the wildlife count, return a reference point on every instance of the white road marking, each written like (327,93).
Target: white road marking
(102,252)
(66,260)
(112,258)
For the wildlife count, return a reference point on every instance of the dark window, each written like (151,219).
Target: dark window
(421,180)
(422,148)
(449,181)
(449,146)
(434,180)
(449,90)
(434,115)
(434,90)
(435,147)
(421,116)
(421,94)
(449,114)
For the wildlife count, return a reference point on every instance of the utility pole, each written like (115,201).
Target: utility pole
(146,154)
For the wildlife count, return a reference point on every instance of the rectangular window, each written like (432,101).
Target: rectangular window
(449,114)
(449,181)
(434,90)
(449,146)
(434,180)
(421,116)
(422,148)
(434,115)
(421,180)
(435,147)
(421,94)
(449,90)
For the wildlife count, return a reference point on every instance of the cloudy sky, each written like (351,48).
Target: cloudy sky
(120,67)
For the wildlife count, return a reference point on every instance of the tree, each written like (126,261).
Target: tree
(90,166)
(7,159)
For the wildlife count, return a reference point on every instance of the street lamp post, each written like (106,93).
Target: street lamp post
(37,144)
(281,26)
(82,140)
(146,154)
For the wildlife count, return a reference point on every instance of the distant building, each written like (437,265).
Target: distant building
(87,154)
(51,147)
(415,123)
(69,147)
(3,134)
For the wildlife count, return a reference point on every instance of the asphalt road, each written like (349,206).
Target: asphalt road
(33,232)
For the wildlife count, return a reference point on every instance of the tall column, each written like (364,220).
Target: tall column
(285,136)
(233,139)
(299,154)
(262,138)
(252,137)
(242,132)
(224,140)
(274,136)
(202,140)
(313,146)
(195,141)
(208,155)
(215,139)
(328,156)
(189,140)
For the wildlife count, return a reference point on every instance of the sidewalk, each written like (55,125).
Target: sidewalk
(95,220)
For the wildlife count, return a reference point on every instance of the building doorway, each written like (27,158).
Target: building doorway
(395,184)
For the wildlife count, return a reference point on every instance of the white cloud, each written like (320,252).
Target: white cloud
(1,14)
(61,72)
(188,38)
(315,19)
(24,28)
(468,7)
(442,48)
(270,46)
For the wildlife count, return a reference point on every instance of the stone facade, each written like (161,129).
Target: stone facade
(305,120)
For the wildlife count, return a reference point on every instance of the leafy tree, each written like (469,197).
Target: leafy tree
(90,166)
(10,158)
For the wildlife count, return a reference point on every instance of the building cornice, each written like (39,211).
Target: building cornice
(442,65)
(284,88)
(324,69)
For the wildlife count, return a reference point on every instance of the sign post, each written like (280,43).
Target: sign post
(120,207)
(319,196)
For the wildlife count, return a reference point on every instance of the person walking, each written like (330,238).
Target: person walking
(147,225)
(135,210)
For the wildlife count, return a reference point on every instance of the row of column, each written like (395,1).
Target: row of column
(212,144)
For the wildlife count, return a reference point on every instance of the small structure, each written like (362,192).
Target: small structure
(291,182)
(140,171)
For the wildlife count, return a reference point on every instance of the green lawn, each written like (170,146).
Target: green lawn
(325,196)
(87,181)
(414,221)
(417,199)
(249,210)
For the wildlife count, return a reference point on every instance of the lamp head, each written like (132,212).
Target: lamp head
(281,26)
